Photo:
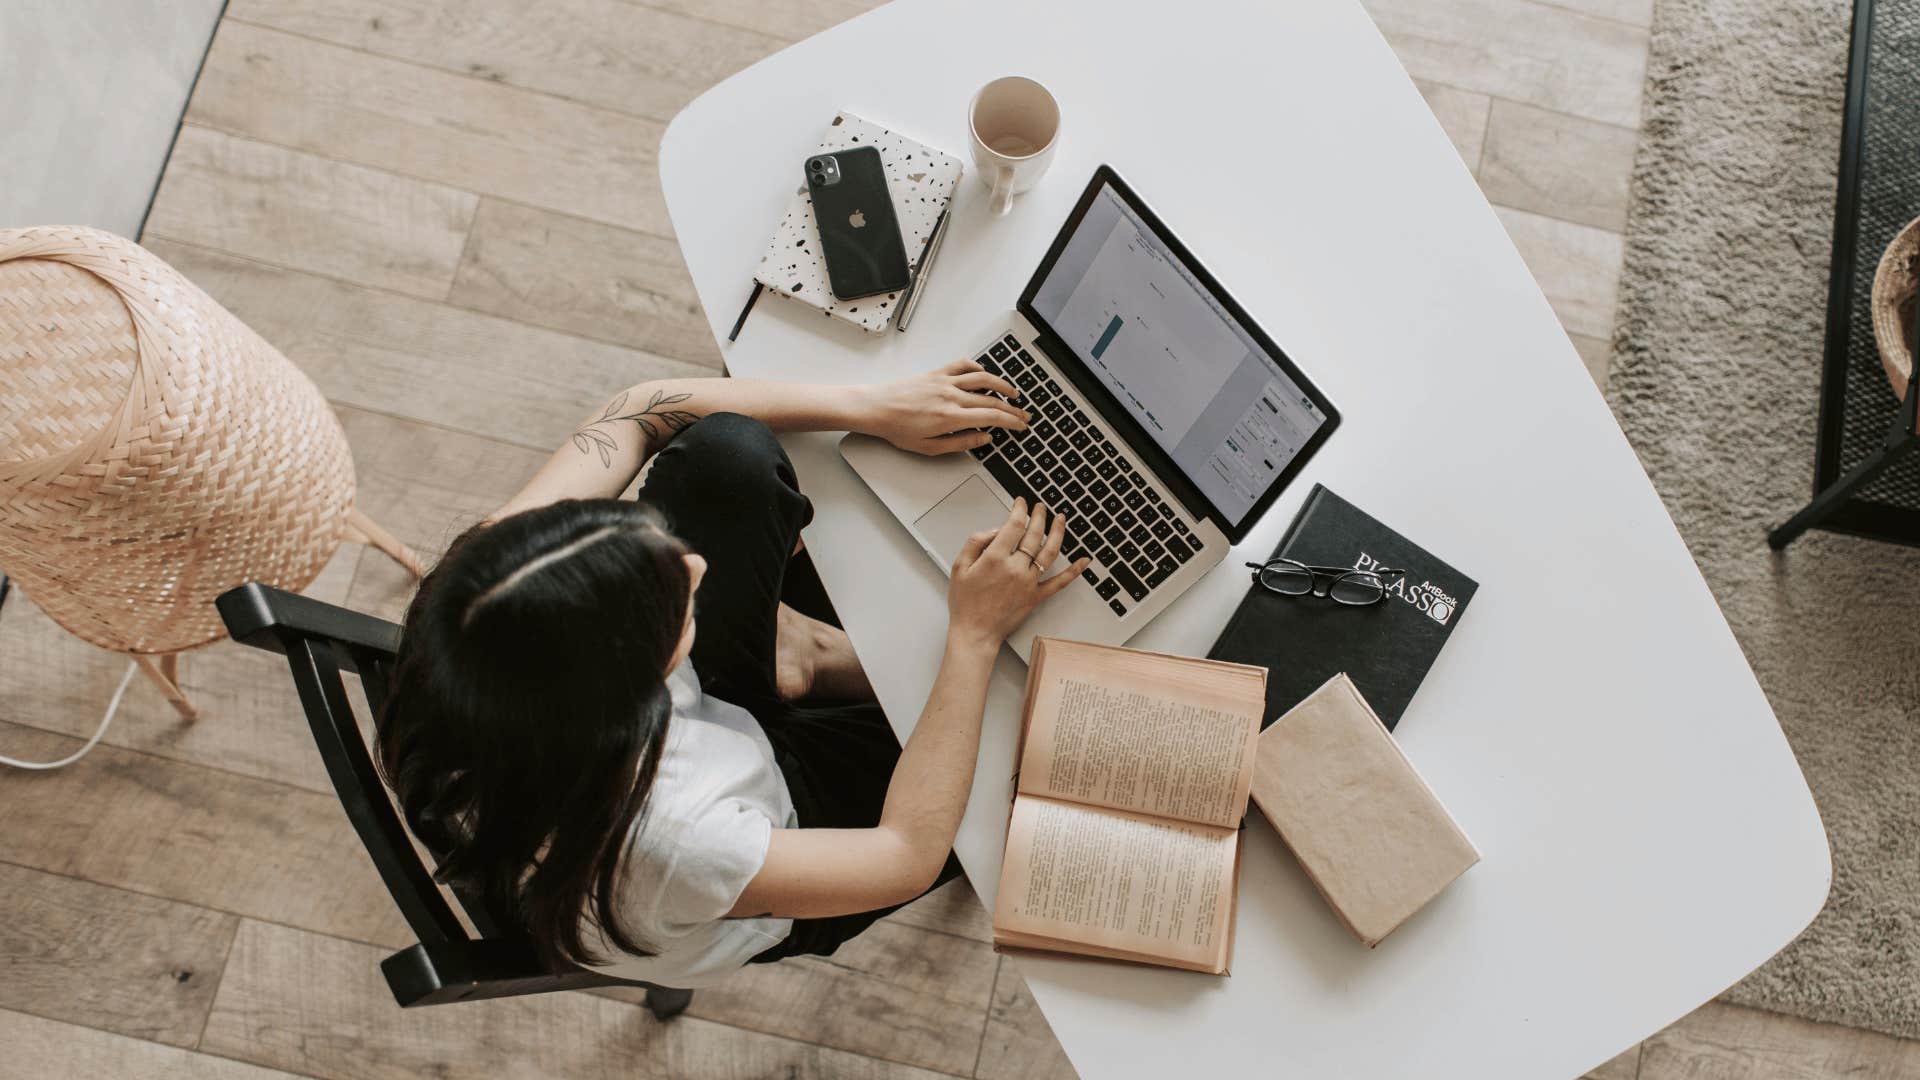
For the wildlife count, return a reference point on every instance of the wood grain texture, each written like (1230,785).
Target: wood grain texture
(317,1005)
(898,993)
(787,19)
(1631,12)
(1018,1044)
(419,360)
(1462,115)
(1577,266)
(250,720)
(428,484)
(1521,50)
(609,53)
(1558,165)
(311,213)
(119,961)
(612,284)
(1625,1066)
(209,838)
(1728,1042)
(952,908)
(417,122)
(1597,354)
(39,1049)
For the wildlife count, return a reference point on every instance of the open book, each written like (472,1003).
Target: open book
(1134,774)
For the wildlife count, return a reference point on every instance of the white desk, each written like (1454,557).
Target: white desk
(1648,837)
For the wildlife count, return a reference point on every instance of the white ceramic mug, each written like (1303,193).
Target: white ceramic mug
(1015,125)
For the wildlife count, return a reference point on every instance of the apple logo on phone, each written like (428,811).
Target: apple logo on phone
(857,219)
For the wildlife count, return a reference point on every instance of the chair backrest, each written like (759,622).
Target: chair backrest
(320,642)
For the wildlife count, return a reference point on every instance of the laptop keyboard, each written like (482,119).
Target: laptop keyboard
(1063,459)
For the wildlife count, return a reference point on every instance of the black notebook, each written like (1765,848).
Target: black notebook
(1386,648)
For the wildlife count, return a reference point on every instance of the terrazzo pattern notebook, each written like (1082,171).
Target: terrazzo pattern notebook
(920,179)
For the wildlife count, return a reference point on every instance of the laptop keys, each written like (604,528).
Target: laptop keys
(1063,460)
(1129,581)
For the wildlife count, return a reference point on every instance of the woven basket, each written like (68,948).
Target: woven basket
(1893,305)
(154,451)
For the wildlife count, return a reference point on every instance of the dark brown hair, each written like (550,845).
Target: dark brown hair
(529,707)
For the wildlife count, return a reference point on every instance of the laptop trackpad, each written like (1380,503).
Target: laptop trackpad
(970,508)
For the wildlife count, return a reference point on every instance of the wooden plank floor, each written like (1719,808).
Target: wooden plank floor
(448,213)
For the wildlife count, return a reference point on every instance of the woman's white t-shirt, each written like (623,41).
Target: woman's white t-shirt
(715,801)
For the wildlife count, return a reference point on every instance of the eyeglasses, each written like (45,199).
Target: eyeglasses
(1341,584)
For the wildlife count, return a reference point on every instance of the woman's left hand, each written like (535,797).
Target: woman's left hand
(941,411)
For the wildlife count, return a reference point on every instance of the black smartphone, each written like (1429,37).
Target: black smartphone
(859,236)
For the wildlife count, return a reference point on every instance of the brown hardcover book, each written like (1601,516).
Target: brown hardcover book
(1369,831)
(1135,769)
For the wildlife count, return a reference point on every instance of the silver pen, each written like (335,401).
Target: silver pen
(926,267)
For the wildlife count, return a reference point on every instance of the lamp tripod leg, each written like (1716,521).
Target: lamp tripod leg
(165,673)
(362,528)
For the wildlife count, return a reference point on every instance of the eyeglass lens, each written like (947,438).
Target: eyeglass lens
(1353,587)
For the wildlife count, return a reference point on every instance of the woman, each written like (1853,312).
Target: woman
(666,797)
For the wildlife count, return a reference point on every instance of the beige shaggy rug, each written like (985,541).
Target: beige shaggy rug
(1715,379)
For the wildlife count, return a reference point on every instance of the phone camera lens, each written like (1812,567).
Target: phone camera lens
(815,165)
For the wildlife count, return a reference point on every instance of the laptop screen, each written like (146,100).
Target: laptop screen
(1165,345)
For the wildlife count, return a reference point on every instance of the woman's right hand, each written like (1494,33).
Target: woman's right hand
(997,578)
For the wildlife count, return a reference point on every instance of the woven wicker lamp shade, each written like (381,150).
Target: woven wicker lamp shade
(154,451)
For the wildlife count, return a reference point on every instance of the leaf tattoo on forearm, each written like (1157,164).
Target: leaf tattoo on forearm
(658,419)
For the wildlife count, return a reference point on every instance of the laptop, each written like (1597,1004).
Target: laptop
(1164,424)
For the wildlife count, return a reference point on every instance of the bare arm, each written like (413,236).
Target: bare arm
(813,873)
(932,413)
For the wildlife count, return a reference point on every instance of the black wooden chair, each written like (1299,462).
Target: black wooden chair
(320,641)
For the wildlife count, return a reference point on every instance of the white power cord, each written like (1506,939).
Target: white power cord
(113,707)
